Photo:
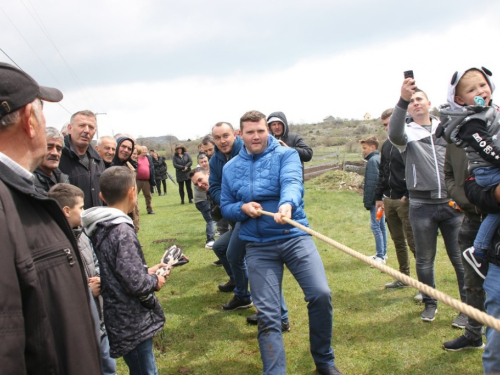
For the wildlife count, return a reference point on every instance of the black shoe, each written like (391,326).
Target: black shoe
(190,201)
(429,313)
(151,212)
(460,321)
(217,263)
(285,326)
(227,287)
(478,264)
(329,371)
(462,343)
(237,304)
(159,194)
(252,319)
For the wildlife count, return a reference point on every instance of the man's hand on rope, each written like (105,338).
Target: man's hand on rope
(285,210)
(252,209)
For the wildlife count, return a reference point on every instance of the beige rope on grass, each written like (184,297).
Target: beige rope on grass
(468,310)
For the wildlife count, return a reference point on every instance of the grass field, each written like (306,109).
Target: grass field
(376,331)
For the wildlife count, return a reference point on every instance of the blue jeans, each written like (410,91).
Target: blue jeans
(491,356)
(487,176)
(230,249)
(141,360)
(220,249)
(425,220)
(266,262)
(379,232)
(204,208)
(108,363)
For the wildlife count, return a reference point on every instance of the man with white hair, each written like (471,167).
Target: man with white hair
(46,323)
(106,148)
(48,173)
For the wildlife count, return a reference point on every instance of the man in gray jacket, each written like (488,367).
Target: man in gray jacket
(424,155)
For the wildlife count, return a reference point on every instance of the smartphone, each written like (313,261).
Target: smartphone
(408,74)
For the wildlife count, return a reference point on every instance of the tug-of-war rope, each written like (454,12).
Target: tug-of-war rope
(468,310)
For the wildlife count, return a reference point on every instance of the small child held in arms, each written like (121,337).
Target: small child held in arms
(377,224)
(70,199)
(132,312)
(472,121)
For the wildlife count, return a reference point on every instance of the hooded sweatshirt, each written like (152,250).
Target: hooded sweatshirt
(116,160)
(291,139)
(474,128)
(124,278)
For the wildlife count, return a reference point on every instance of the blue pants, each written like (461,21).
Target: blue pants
(379,232)
(425,220)
(204,208)
(230,249)
(141,360)
(220,249)
(108,363)
(265,268)
(487,176)
(491,356)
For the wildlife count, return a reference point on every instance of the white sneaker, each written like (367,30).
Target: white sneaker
(418,298)
(377,259)
(209,245)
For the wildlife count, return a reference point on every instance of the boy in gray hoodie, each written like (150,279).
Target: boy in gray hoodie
(132,313)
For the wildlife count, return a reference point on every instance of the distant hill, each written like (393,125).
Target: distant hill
(164,142)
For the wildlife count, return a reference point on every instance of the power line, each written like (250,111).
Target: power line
(13,62)
(41,25)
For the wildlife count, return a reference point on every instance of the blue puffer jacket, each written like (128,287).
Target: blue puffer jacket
(272,179)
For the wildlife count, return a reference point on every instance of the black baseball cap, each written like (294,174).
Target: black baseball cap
(17,89)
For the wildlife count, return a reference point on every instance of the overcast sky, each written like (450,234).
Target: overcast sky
(162,67)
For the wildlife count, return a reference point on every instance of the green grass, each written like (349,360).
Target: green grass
(376,331)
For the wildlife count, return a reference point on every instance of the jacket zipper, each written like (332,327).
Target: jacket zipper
(56,254)
(436,166)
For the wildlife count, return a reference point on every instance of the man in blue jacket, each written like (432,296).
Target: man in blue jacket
(266,176)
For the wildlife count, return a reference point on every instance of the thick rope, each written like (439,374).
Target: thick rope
(468,310)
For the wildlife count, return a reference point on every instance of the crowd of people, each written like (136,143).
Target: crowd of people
(70,218)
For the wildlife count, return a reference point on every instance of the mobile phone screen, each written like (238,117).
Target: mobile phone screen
(408,74)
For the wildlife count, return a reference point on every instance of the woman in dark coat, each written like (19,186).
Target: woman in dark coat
(182,164)
(160,172)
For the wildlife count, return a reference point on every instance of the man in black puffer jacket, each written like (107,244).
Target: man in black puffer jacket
(278,127)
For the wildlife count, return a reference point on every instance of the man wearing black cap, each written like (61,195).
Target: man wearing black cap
(45,318)
(81,162)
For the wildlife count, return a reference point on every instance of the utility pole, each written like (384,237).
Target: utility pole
(97,128)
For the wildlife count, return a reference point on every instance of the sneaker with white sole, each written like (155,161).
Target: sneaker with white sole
(377,259)
(209,245)
(418,298)
(396,284)
(462,343)
(460,321)
(237,304)
(479,264)
(429,313)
